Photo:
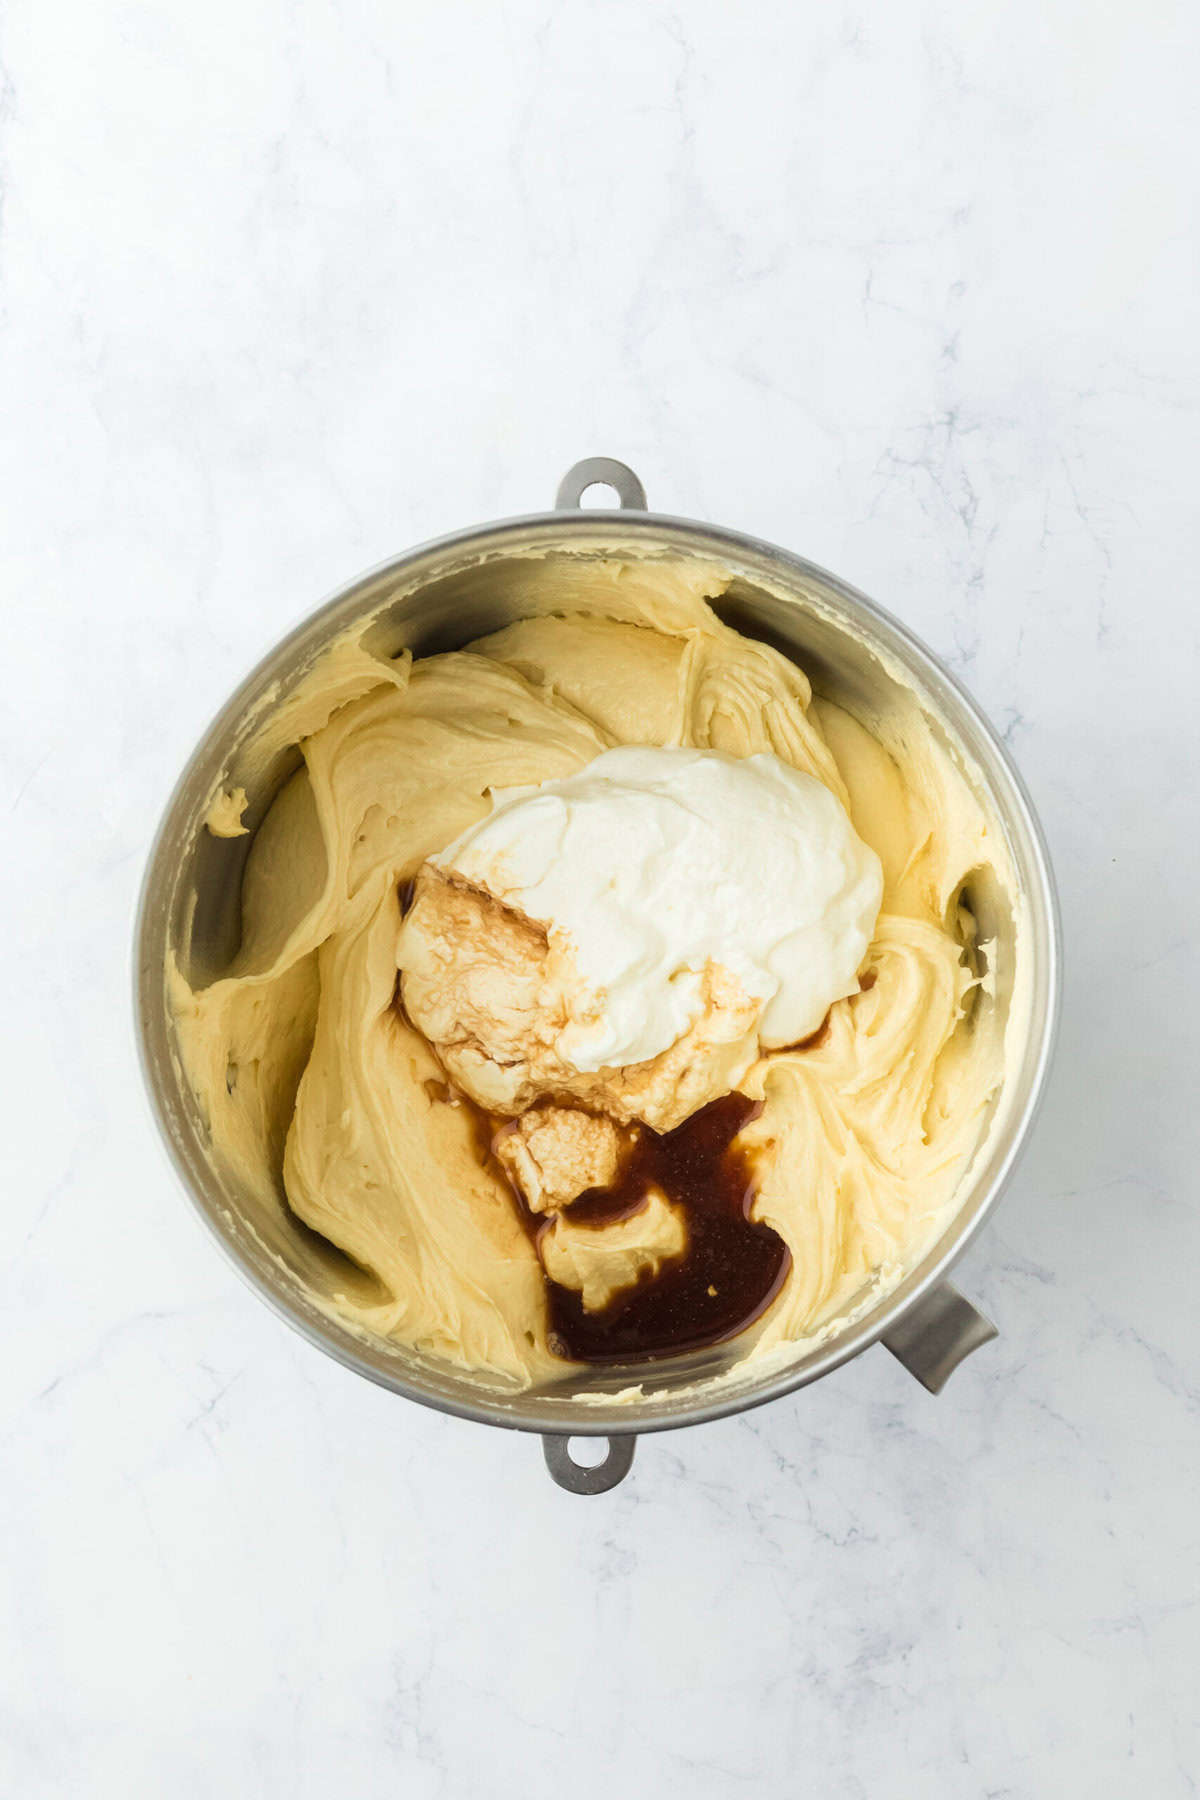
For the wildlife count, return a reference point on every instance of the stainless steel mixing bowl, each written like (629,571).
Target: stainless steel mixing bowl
(439,597)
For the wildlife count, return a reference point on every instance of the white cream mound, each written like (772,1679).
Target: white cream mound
(651,864)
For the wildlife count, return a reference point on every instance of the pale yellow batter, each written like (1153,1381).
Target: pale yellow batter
(314,1083)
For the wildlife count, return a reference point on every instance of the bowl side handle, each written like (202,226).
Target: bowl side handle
(935,1336)
(577,1478)
(600,471)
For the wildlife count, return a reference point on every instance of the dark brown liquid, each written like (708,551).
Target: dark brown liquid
(731,1267)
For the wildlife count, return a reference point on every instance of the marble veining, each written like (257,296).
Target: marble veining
(286,286)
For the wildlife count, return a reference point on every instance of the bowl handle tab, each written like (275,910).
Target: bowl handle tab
(578,1479)
(602,471)
(935,1336)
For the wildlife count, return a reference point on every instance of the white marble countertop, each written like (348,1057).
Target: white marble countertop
(288,285)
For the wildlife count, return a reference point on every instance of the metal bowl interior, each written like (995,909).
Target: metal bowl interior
(439,597)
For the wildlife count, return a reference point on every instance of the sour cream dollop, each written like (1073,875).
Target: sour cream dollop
(652,863)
